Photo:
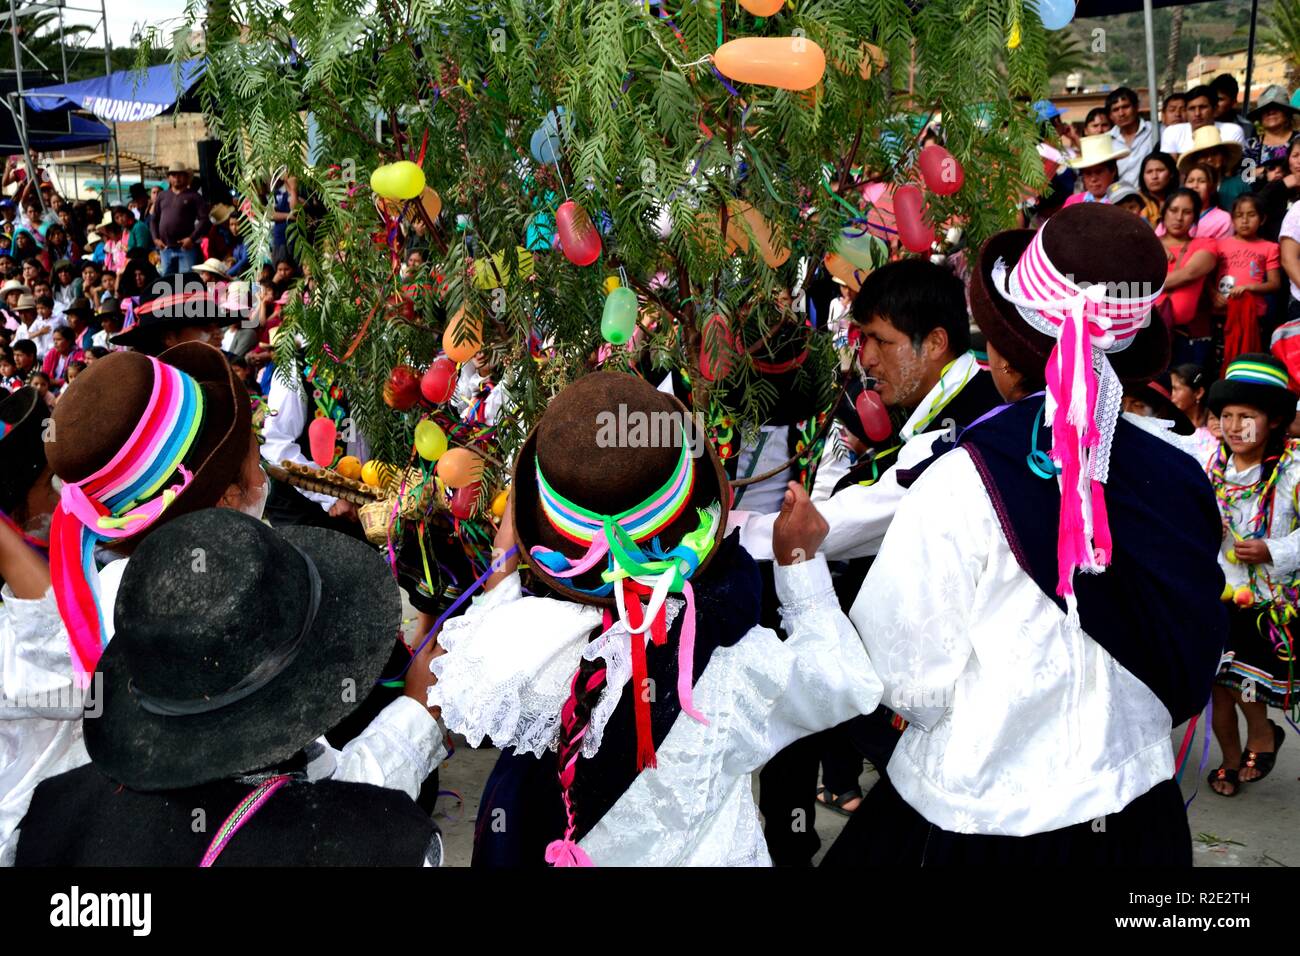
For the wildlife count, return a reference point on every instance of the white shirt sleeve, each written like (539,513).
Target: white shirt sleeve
(818,677)
(913,607)
(858,516)
(833,465)
(1286,549)
(400,748)
(286,418)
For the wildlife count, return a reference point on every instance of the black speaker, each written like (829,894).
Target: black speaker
(215,188)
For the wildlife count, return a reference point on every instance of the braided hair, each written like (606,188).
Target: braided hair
(575,717)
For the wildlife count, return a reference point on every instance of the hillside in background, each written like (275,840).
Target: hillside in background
(1213,27)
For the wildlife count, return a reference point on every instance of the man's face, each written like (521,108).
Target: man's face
(1200,112)
(24,361)
(1097,179)
(889,357)
(27,316)
(1122,114)
(178,181)
(40,289)
(124,218)
(33,212)
(1227,106)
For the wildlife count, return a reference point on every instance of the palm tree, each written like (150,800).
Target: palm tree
(1171,55)
(1065,53)
(1282,35)
(39,35)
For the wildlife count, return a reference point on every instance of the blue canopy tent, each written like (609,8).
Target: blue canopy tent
(126,96)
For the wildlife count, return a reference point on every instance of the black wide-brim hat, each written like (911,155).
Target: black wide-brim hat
(611,479)
(94,420)
(1092,242)
(22,446)
(1275,401)
(341,656)
(162,307)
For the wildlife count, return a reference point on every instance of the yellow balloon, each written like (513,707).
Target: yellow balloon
(486,277)
(459,467)
(430,440)
(400,180)
(788,63)
(467,348)
(499,503)
(611,283)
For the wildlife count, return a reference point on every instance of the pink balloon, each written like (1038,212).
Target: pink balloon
(942,173)
(873,415)
(439,380)
(322,433)
(579,237)
(909,208)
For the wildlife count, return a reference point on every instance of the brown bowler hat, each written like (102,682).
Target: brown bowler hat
(605,477)
(1094,243)
(94,420)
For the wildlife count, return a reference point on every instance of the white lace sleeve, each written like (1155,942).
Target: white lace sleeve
(507,669)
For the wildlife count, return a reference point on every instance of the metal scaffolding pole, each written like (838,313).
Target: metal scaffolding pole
(20,115)
(108,70)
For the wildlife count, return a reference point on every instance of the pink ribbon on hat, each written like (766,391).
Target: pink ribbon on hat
(1087,322)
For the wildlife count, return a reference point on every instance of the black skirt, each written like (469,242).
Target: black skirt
(886,831)
(1254,664)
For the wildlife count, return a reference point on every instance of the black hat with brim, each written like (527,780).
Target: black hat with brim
(21,446)
(165,308)
(185,635)
(1256,380)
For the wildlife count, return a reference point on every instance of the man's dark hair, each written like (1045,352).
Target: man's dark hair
(1196,92)
(1181,97)
(27,346)
(46,300)
(98,351)
(916,297)
(1123,93)
(1225,83)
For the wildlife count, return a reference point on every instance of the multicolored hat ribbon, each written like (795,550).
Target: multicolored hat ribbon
(121,499)
(1083,393)
(1259,373)
(637,565)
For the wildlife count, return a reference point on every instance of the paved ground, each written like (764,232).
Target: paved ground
(1258,827)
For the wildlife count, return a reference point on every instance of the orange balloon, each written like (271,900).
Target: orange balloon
(843,270)
(431,203)
(459,467)
(762,8)
(456,329)
(762,232)
(788,63)
(873,58)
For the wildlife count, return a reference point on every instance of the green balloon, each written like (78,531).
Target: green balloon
(618,321)
(865,252)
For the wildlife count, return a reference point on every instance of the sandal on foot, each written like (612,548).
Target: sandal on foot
(1263,762)
(836,804)
(1224,775)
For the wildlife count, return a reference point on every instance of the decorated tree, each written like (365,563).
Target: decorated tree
(720,154)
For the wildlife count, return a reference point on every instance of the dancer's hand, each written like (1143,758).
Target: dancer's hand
(504,541)
(419,677)
(800,529)
(1254,551)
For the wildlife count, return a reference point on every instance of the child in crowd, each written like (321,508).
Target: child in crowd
(41,382)
(1255,475)
(1188,385)
(1249,270)
(24,357)
(75,368)
(9,378)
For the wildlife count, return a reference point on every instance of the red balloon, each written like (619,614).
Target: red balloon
(439,380)
(462,501)
(873,415)
(403,388)
(716,330)
(579,237)
(942,173)
(322,433)
(909,210)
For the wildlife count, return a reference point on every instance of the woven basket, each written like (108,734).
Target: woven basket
(374,520)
